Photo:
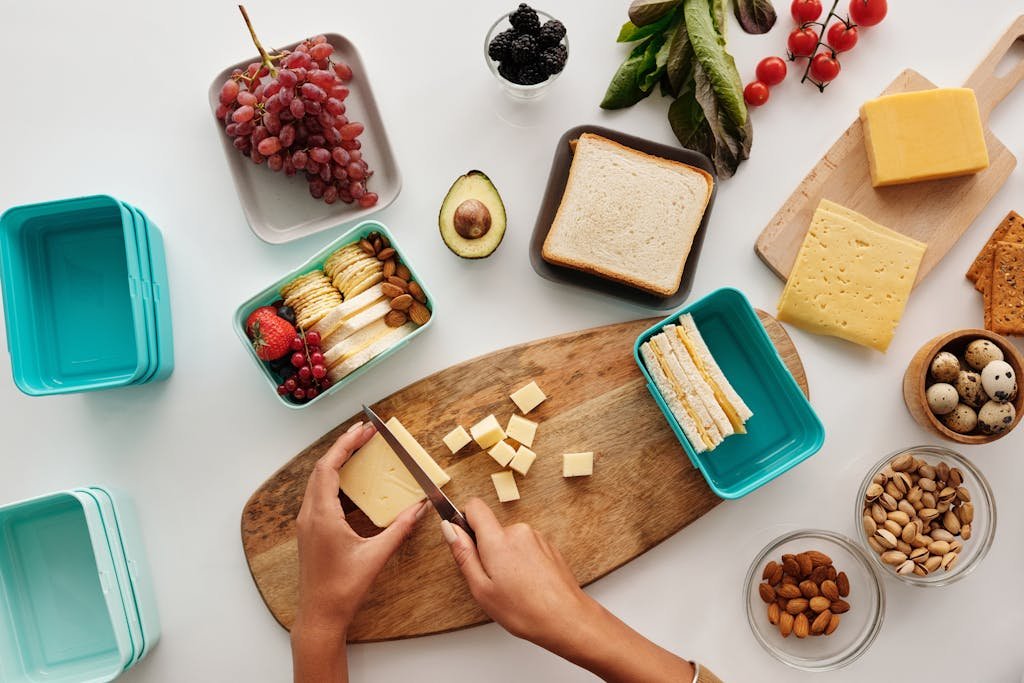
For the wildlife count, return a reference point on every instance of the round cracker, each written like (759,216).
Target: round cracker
(300,281)
(370,281)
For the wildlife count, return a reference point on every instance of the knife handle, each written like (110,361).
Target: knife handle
(460,520)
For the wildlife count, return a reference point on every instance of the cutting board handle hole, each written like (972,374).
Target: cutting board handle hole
(1012,59)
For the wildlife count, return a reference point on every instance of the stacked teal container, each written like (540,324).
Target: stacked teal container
(86,298)
(76,597)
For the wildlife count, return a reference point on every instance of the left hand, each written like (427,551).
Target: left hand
(337,566)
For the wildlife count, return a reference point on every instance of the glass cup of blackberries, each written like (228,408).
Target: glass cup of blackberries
(526,50)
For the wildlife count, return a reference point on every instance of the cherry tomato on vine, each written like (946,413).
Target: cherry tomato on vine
(824,67)
(756,93)
(771,71)
(868,12)
(841,37)
(802,42)
(805,10)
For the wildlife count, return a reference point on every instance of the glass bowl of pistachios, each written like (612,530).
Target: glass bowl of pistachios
(926,515)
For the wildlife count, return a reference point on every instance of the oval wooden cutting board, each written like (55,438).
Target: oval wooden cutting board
(643,490)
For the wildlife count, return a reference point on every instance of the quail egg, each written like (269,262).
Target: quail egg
(945,367)
(998,381)
(963,419)
(969,386)
(995,417)
(942,398)
(981,352)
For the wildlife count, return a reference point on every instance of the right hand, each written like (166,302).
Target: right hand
(519,579)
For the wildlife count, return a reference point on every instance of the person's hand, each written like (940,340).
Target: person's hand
(337,566)
(522,582)
(519,579)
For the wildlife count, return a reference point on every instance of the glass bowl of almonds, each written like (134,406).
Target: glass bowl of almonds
(814,600)
(926,515)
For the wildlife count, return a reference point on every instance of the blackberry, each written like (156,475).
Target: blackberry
(532,73)
(524,19)
(524,49)
(509,71)
(551,33)
(553,59)
(500,48)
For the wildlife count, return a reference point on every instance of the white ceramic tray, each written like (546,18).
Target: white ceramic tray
(280,209)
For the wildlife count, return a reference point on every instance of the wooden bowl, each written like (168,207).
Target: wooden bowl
(916,381)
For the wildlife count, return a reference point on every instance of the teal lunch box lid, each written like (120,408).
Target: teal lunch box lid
(146,290)
(161,295)
(73,309)
(61,613)
(271,294)
(120,569)
(784,430)
(130,532)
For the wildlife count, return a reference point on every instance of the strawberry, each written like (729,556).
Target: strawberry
(259,314)
(271,337)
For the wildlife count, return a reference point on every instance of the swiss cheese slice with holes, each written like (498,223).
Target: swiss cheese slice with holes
(851,279)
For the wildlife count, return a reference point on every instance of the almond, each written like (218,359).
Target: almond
(819,603)
(819,558)
(399,281)
(767,592)
(785,624)
(366,246)
(833,624)
(791,580)
(821,622)
(395,318)
(809,588)
(390,291)
(776,575)
(788,591)
(403,272)
(417,292)
(419,313)
(790,566)
(839,607)
(769,569)
(386,253)
(796,605)
(806,564)
(830,590)
(774,614)
(401,303)
(819,574)
(389,268)
(801,627)
(843,584)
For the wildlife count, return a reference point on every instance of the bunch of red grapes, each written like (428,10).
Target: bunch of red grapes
(289,111)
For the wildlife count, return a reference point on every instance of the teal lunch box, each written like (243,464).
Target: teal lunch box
(784,429)
(158,291)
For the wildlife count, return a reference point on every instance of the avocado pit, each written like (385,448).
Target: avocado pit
(472,219)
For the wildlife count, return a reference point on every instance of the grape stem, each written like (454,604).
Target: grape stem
(268,60)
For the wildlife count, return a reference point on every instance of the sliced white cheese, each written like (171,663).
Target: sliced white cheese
(523,460)
(505,486)
(456,439)
(502,453)
(373,312)
(521,429)
(527,398)
(577,464)
(487,432)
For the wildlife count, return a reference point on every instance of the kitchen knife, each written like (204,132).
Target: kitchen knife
(435,495)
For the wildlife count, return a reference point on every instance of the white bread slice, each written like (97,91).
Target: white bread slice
(717,376)
(682,415)
(691,390)
(357,322)
(356,342)
(382,344)
(699,382)
(628,216)
(330,322)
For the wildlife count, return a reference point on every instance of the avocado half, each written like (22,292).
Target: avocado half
(472,217)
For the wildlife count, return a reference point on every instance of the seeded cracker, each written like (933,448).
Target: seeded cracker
(1010,230)
(1007,289)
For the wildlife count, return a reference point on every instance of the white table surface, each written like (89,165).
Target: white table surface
(111,98)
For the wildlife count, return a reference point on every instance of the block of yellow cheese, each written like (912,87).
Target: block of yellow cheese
(577,464)
(505,486)
(523,460)
(502,453)
(377,481)
(851,279)
(527,398)
(521,429)
(487,432)
(923,135)
(456,439)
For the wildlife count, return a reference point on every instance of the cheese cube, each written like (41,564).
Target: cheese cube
(578,464)
(528,398)
(923,135)
(505,486)
(456,439)
(377,481)
(521,429)
(502,453)
(524,458)
(487,432)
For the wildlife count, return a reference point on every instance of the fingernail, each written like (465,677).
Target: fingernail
(448,532)
(423,509)
(355,426)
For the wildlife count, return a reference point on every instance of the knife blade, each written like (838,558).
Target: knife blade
(445,508)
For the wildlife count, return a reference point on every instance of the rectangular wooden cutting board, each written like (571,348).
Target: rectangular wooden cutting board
(936,212)
(643,489)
